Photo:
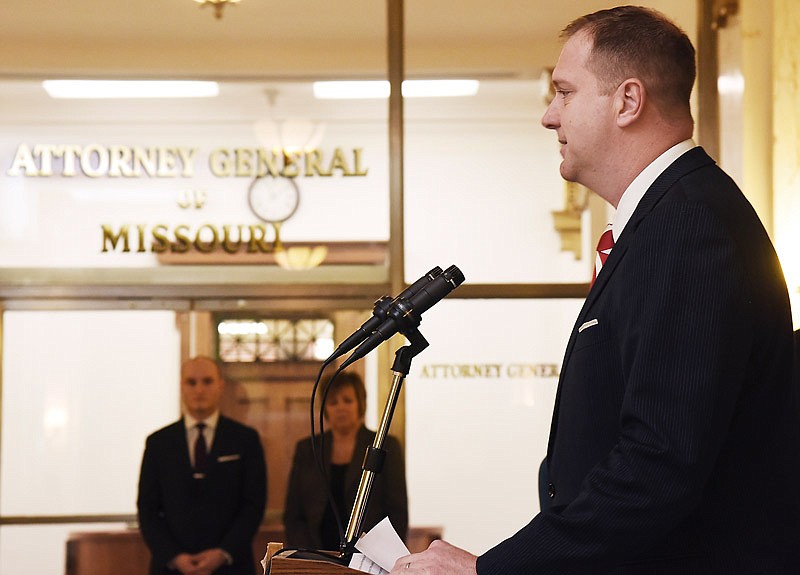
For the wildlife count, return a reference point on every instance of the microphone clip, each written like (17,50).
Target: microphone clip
(404,355)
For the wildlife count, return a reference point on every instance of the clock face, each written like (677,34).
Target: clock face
(273,199)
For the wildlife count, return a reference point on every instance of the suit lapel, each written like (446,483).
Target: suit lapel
(179,459)
(688,162)
(178,440)
(221,435)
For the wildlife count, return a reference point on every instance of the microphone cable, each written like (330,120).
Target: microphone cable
(319,451)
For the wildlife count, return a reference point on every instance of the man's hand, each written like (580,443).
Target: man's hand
(184,562)
(208,561)
(440,558)
(203,563)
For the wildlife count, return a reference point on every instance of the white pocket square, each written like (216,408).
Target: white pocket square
(588,324)
(224,458)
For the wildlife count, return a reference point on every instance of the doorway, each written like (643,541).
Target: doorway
(270,363)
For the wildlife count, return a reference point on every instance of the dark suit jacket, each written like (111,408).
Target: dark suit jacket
(306,497)
(797,357)
(178,513)
(675,441)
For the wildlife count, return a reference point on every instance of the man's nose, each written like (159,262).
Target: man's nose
(550,118)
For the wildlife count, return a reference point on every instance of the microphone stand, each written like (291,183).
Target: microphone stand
(375,455)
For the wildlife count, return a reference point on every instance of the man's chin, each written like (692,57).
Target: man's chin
(200,411)
(566,173)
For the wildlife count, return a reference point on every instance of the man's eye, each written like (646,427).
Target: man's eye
(563,93)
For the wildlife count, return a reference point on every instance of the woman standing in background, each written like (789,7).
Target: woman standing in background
(308,516)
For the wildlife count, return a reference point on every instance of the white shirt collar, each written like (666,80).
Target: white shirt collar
(641,183)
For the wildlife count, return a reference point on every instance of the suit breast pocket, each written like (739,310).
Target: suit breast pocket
(592,374)
(227,467)
(228,458)
(591,332)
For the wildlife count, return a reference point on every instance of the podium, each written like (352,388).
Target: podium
(123,552)
(277,565)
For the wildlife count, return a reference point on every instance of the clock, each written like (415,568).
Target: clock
(273,199)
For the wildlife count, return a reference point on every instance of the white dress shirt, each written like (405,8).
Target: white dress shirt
(640,184)
(192,431)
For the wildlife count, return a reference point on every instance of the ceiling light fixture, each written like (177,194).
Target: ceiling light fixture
(300,257)
(373,89)
(217,4)
(288,134)
(99,89)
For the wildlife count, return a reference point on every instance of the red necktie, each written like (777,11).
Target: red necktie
(604,246)
(200,449)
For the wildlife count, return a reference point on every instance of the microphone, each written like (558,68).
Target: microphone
(380,312)
(405,312)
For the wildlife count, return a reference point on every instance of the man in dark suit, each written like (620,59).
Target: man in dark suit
(675,440)
(202,488)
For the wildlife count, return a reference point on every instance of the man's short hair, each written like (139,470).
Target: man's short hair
(206,359)
(637,42)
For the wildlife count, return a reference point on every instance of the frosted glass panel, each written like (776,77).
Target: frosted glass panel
(81,391)
(481,183)
(478,406)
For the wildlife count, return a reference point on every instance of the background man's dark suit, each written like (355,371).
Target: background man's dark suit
(178,513)
(675,413)
(306,498)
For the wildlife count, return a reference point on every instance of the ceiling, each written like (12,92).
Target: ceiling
(301,39)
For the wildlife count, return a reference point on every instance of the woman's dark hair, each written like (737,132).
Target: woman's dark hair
(347,379)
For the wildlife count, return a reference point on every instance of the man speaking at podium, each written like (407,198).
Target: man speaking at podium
(675,440)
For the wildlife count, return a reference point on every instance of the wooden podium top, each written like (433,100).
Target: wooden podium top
(278,565)
(123,552)
(288,566)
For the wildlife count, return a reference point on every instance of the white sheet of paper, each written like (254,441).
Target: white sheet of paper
(361,562)
(382,544)
(264,561)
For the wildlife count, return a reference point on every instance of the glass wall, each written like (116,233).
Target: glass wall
(482,185)
(479,402)
(81,391)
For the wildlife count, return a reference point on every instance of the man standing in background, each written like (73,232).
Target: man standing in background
(203,486)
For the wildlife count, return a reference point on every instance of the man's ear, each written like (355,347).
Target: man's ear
(630,98)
